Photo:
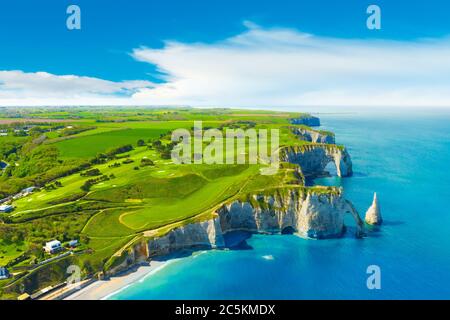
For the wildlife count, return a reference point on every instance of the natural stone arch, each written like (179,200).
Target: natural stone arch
(350,209)
(331,169)
(313,159)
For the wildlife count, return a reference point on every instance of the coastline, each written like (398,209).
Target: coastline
(103,289)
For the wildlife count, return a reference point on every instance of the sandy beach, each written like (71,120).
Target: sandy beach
(102,289)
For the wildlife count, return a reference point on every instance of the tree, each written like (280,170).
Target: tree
(140,143)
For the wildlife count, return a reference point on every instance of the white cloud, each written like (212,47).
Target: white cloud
(264,68)
(42,88)
(270,67)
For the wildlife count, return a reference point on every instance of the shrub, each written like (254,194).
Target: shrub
(91,173)
(146,162)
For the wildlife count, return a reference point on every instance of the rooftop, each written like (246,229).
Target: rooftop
(53,243)
(6,207)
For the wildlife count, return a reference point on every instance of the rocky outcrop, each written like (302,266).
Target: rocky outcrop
(313,159)
(307,120)
(373,214)
(313,135)
(309,214)
(206,234)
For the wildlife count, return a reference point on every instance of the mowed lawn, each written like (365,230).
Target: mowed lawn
(90,145)
(165,211)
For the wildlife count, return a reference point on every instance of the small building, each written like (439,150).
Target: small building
(53,246)
(4,274)
(28,190)
(73,243)
(5,208)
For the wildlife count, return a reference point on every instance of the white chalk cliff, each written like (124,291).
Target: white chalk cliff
(307,120)
(206,234)
(373,214)
(313,159)
(308,214)
(313,135)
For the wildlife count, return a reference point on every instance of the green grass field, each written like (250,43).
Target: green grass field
(133,198)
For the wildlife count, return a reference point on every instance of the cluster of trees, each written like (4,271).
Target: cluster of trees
(75,130)
(89,183)
(164,150)
(126,161)
(91,173)
(10,235)
(111,154)
(53,186)
(36,233)
(40,164)
(36,168)
(9,149)
(241,124)
(114,165)
(146,162)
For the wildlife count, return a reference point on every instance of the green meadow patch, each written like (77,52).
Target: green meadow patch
(89,146)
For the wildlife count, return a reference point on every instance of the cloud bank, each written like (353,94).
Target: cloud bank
(261,68)
(42,88)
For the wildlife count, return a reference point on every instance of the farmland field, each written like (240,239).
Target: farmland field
(90,145)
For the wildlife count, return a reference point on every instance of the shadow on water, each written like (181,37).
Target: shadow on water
(349,232)
(309,181)
(242,246)
(393,223)
(237,240)
(178,254)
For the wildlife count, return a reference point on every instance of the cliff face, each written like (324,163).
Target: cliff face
(313,159)
(313,136)
(310,121)
(309,215)
(206,234)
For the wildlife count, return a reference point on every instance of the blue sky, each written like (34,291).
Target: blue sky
(123,49)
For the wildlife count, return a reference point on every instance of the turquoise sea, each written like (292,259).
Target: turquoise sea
(405,158)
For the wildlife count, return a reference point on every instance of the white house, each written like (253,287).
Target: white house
(53,246)
(28,190)
(5,208)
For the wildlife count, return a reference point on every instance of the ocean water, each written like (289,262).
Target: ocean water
(405,158)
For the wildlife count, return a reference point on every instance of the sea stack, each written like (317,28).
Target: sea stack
(373,214)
